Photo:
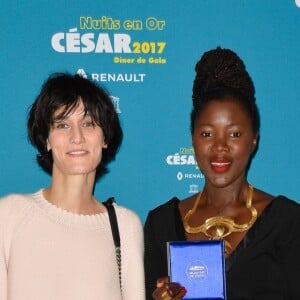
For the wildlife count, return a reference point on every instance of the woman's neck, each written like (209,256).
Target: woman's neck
(221,197)
(74,194)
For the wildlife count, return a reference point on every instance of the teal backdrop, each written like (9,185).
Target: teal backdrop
(143,53)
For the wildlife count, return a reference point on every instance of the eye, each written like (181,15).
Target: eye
(88,123)
(235,134)
(206,134)
(61,125)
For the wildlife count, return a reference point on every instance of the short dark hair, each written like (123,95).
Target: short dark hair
(220,73)
(66,90)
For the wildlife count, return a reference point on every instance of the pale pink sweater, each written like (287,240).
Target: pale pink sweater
(47,253)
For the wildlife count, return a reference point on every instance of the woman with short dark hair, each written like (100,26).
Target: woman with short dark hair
(57,243)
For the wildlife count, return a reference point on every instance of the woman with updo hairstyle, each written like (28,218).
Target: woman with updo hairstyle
(60,242)
(262,244)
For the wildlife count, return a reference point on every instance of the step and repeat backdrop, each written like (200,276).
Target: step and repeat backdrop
(143,53)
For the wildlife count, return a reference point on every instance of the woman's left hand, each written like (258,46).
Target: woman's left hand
(168,290)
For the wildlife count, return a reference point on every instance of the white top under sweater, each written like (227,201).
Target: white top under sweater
(47,253)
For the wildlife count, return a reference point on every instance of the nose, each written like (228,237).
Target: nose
(220,144)
(76,135)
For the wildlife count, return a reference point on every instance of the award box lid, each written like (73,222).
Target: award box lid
(199,267)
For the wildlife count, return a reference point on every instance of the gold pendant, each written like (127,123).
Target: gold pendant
(219,227)
(219,231)
(228,247)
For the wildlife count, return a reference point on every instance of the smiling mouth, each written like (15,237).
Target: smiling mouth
(77,152)
(220,164)
(220,167)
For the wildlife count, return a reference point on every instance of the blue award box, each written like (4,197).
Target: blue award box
(199,267)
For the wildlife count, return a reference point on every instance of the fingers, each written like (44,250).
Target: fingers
(168,291)
(181,294)
(162,281)
(175,290)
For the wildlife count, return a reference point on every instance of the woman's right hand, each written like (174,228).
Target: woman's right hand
(166,290)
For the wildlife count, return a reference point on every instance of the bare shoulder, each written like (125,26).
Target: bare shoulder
(186,204)
(261,199)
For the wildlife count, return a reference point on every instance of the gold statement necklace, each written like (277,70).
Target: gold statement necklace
(219,227)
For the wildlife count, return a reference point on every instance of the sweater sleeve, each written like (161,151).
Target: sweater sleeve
(132,255)
(3,261)
(7,220)
(12,209)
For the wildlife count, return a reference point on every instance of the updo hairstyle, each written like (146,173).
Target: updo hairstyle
(221,74)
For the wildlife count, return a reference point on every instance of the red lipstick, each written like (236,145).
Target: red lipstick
(220,165)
